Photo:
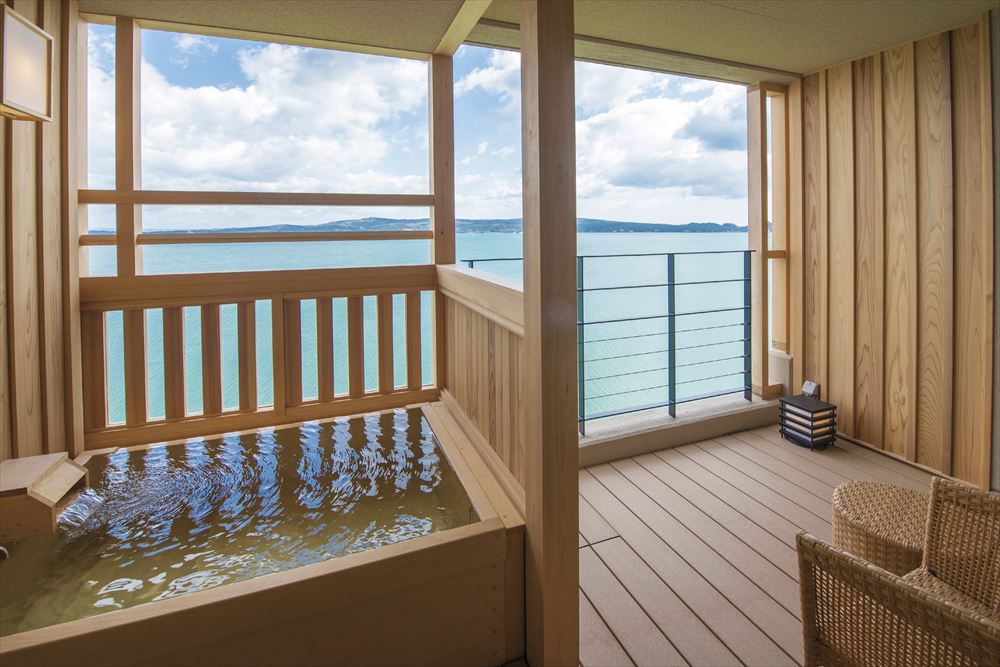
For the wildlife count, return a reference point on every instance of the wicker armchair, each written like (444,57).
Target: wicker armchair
(947,612)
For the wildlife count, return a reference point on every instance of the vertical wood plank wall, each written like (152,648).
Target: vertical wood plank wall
(35,417)
(895,234)
(483,362)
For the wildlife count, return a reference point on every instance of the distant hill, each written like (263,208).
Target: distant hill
(466,226)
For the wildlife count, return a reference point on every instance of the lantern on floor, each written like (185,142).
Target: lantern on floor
(806,420)
(26,78)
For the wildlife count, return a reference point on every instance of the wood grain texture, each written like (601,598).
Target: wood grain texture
(814,246)
(796,242)
(136,396)
(484,378)
(840,153)
(278,351)
(5,416)
(211,360)
(246,351)
(128,217)
(385,356)
(50,260)
(356,346)
(869,286)
(901,247)
(414,366)
(293,351)
(324,347)
(442,150)
(922,326)
(757,192)
(551,442)
(72,102)
(94,371)
(935,232)
(173,363)
(779,221)
(23,301)
(973,219)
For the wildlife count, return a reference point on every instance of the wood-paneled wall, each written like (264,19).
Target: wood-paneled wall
(483,375)
(36,403)
(895,232)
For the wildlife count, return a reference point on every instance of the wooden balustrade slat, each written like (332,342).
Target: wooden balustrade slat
(278,351)
(134,327)
(211,360)
(94,371)
(414,379)
(385,361)
(246,334)
(356,346)
(173,363)
(324,347)
(293,352)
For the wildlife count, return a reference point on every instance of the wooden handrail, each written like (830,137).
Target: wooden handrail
(497,299)
(111,293)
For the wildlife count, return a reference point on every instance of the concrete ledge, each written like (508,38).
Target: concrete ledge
(630,435)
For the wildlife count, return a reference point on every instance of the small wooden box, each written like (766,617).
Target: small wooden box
(808,422)
(31,489)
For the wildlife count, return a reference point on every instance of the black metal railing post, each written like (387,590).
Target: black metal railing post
(581,366)
(671,336)
(747,347)
(471,263)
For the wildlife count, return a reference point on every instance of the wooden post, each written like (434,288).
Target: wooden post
(757,222)
(127,121)
(550,410)
(442,149)
(72,101)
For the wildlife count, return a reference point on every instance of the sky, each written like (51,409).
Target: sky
(225,114)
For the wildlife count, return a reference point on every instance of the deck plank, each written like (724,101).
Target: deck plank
(681,626)
(756,603)
(839,460)
(593,527)
(638,635)
(817,502)
(698,541)
(759,513)
(777,552)
(802,518)
(741,637)
(598,646)
(856,458)
(814,485)
(766,575)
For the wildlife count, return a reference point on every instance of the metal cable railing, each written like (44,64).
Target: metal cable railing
(663,360)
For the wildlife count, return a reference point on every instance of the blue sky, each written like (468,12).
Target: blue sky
(222,114)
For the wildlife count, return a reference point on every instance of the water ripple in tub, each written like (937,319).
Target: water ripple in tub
(165,521)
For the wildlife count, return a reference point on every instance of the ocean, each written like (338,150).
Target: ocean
(626,361)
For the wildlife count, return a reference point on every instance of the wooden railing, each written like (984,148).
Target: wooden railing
(285,291)
(484,358)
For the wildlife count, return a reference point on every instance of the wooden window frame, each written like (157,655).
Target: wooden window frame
(128,197)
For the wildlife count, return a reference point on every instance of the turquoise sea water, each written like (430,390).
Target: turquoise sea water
(626,361)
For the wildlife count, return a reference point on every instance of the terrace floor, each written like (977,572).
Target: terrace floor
(687,555)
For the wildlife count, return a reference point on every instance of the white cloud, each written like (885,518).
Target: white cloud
(501,77)
(481,149)
(188,46)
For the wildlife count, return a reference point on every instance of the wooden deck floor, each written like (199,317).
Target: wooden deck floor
(687,555)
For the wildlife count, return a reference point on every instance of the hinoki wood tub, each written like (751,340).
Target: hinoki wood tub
(451,597)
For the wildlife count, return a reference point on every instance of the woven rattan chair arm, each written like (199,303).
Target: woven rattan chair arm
(855,613)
